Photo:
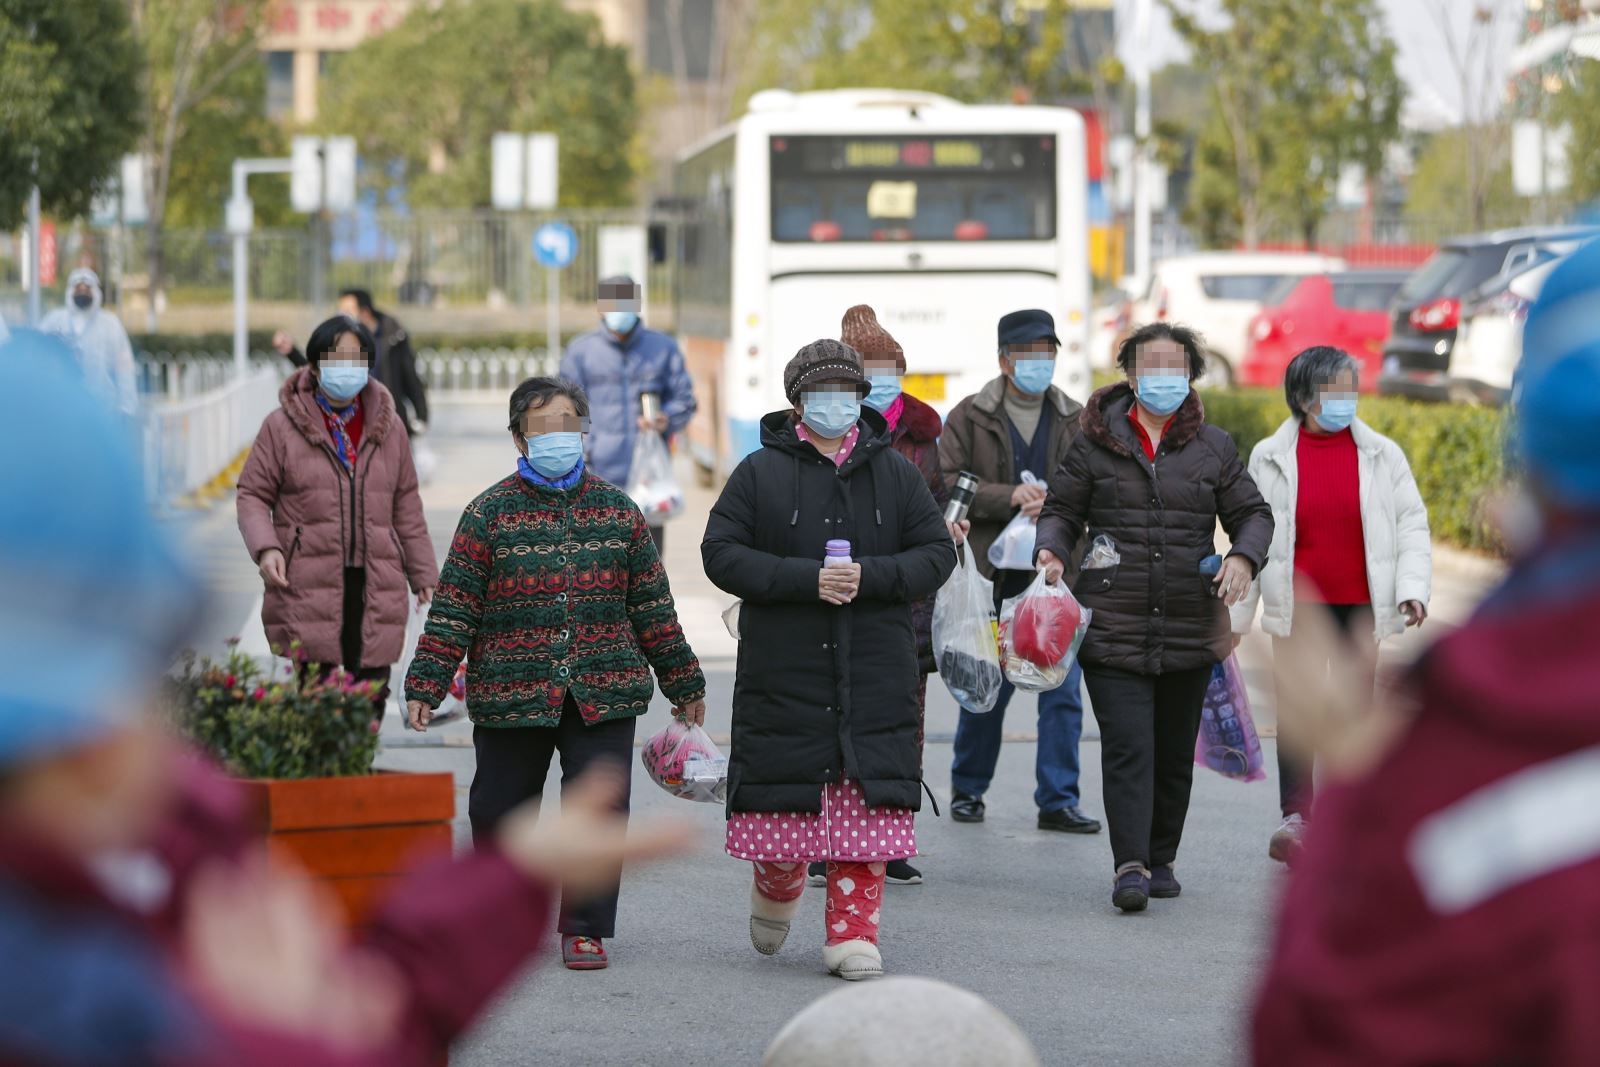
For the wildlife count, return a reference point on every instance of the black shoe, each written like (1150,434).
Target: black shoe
(899,872)
(817,874)
(966,809)
(1068,821)
(1131,891)
(1163,883)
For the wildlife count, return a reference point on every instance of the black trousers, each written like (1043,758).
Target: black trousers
(659,535)
(1295,772)
(512,765)
(1148,724)
(355,594)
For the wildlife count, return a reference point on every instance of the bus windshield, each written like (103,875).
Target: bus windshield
(874,188)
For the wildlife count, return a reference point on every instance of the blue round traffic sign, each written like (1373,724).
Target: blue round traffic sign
(555,244)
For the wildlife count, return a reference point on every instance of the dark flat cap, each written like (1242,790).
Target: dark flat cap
(1031,324)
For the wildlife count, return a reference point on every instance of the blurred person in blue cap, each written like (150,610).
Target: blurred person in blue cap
(140,922)
(1447,910)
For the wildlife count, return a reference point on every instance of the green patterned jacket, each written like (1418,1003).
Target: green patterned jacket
(548,590)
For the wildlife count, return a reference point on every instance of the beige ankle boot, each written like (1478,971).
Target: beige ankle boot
(769,921)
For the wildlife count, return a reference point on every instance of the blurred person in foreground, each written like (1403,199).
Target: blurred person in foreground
(331,514)
(615,365)
(98,337)
(141,922)
(828,537)
(394,363)
(1348,519)
(1446,909)
(1018,423)
(554,595)
(1149,473)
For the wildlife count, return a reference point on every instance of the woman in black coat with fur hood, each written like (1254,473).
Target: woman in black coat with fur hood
(826,761)
(1148,473)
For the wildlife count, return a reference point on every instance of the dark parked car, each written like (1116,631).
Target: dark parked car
(1427,310)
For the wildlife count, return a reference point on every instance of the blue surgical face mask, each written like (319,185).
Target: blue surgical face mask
(555,453)
(342,384)
(830,412)
(1163,392)
(885,390)
(1338,411)
(1033,376)
(620,323)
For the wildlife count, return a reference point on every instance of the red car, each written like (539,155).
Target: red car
(1348,310)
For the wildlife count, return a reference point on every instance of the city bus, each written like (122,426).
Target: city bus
(942,216)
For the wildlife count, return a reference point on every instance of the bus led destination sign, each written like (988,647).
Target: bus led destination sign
(985,153)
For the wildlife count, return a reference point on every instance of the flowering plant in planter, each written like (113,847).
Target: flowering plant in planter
(262,724)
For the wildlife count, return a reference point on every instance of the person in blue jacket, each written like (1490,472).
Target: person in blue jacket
(615,365)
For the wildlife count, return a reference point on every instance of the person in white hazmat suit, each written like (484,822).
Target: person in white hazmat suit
(102,345)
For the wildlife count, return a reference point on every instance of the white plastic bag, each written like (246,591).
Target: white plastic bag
(964,648)
(730,619)
(454,705)
(1013,549)
(686,762)
(1041,630)
(426,460)
(651,482)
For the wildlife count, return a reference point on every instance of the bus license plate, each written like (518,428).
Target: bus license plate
(926,387)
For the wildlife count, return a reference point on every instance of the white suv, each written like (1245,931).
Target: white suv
(1218,293)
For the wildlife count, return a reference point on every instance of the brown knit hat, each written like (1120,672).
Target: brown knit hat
(861,331)
(824,360)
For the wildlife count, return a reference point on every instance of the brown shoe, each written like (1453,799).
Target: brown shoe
(584,954)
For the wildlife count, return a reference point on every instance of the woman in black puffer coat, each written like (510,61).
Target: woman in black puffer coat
(826,762)
(1149,473)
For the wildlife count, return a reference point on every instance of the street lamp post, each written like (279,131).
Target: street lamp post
(241,220)
(1142,193)
(35,247)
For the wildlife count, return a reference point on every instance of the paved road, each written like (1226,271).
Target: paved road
(1019,916)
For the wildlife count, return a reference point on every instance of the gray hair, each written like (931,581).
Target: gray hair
(537,392)
(1311,369)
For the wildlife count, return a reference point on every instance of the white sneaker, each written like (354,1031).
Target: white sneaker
(1289,840)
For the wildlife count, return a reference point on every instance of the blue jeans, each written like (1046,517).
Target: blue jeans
(978,739)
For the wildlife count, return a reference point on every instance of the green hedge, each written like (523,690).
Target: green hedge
(261,341)
(1456,451)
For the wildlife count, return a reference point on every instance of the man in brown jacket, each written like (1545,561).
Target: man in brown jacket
(1018,422)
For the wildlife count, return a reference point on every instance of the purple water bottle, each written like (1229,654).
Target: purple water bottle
(838,554)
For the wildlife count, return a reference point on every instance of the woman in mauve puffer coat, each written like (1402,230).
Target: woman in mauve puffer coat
(1148,473)
(330,512)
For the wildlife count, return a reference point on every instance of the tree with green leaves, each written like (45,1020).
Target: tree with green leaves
(1301,88)
(201,103)
(431,93)
(1440,186)
(973,50)
(69,102)
(1577,106)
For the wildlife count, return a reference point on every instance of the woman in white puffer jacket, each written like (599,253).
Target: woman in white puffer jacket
(1349,524)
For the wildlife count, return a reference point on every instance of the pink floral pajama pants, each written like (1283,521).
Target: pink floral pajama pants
(855,895)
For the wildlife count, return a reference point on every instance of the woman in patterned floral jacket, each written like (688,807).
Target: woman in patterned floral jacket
(555,596)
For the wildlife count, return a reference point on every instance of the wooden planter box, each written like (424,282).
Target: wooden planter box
(358,835)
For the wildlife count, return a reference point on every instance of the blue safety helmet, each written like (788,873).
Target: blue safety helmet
(94,598)
(1557,393)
